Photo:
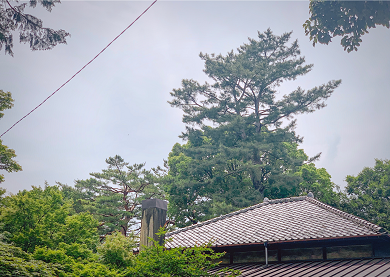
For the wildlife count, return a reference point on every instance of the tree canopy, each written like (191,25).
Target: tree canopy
(369,194)
(114,196)
(180,261)
(30,28)
(318,181)
(41,217)
(239,131)
(41,235)
(348,19)
(7,155)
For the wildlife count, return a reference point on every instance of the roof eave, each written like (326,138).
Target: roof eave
(314,240)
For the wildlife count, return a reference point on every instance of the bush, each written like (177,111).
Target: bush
(117,250)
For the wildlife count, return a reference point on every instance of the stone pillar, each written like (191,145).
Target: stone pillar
(154,213)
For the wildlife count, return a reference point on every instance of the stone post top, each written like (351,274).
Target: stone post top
(154,203)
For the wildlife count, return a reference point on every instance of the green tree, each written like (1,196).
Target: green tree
(317,181)
(40,217)
(237,127)
(156,261)
(114,196)
(73,260)
(191,200)
(369,194)
(117,250)
(30,28)
(15,262)
(348,19)
(7,155)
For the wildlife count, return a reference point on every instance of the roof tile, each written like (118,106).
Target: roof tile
(287,219)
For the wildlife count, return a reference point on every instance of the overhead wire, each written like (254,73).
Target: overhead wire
(47,98)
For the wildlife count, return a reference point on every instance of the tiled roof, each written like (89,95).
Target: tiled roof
(370,267)
(288,219)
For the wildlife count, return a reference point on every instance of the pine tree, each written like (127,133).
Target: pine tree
(240,135)
(30,28)
(114,196)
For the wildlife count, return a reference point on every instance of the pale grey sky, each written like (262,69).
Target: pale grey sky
(118,104)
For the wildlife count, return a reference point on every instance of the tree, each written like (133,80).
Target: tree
(15,262)
(369,194)
(117,250)
(30,28)
(317,181)
(156,261)
(40,217)
(191,200)
(7,155)
(114,196)
(237,127)
(349,19)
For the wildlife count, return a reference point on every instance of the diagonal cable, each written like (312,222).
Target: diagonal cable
(47,98)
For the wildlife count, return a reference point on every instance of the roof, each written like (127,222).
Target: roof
(280,220)
(369,267)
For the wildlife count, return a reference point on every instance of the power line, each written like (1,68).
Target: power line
(80,69)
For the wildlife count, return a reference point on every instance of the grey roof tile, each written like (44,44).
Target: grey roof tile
(295,218)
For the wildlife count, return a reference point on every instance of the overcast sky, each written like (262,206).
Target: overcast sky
(118,104)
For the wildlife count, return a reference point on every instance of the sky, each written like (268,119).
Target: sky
(118,104)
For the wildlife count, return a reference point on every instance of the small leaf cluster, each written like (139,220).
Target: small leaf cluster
(348,19)
(7,155)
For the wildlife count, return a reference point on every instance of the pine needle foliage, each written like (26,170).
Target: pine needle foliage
(240,129)
(114,195)
(30,28)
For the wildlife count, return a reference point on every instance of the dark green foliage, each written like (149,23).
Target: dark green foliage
(114,196)
(30,28)
(348,19)
(7,155)
(241,146)
(191,201)
(369,194)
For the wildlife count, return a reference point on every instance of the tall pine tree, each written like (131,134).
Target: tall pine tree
(241,140)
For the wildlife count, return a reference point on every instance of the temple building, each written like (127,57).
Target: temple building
(297,236)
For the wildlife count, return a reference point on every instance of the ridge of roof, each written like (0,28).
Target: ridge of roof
(273,201)
(355,219)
